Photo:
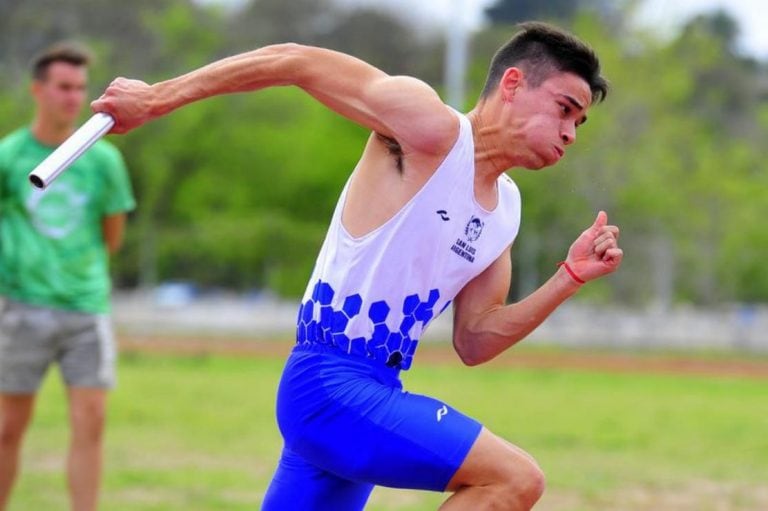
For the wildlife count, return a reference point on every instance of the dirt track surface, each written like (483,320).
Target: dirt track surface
(729,366)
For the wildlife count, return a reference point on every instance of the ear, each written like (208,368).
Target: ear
(511,81)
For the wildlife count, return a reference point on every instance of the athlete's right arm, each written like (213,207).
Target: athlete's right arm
(484,326)
(403,108)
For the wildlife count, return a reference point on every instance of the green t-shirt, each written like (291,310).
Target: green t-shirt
(52,250)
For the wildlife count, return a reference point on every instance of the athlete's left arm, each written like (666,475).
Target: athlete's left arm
(113,229)
(484,327)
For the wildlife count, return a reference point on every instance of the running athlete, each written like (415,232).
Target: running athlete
(426,220)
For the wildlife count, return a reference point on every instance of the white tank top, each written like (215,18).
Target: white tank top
(373,296)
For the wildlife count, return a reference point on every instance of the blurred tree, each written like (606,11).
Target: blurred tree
(718,24)
(381,39)
(515,11)
(130,36)
(374,35)
(726,85)
(261,22)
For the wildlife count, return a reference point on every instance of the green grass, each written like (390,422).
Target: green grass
(198,432)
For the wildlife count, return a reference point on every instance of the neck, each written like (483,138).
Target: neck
(489,159)
(49,132)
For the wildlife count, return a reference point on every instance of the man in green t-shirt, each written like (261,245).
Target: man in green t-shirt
(54,274)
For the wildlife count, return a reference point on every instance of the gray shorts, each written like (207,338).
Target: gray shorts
(31,338)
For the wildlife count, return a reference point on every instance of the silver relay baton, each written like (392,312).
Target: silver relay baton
(71,149)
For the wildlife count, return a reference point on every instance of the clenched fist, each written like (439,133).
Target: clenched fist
(128,101)
(596,251)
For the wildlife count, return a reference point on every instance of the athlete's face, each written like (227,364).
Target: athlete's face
(60,95)
(542,121)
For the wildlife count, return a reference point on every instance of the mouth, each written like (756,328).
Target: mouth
(559,152)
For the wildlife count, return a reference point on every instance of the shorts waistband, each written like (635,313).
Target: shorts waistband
(387,371)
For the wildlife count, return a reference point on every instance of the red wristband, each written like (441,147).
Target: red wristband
(571,272)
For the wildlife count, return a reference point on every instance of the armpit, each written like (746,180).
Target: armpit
(394,148)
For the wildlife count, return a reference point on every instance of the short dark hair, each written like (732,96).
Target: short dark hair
(69,52)
(540,50)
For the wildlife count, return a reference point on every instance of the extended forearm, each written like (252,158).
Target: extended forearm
(497,330)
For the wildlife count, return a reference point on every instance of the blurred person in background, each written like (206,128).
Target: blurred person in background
(54,274)
(426,220)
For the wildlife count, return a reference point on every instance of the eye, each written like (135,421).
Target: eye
(564,108)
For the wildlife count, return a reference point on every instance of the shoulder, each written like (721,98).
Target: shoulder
(449,131)
(106,153)
(510,198)
(414,114)
(106,149)
(11,144)
(14,139)
(508,187)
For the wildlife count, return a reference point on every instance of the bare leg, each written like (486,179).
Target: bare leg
(87,415)
(15,414)
(496,475)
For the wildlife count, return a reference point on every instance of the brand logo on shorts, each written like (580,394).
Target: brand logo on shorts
(442,412)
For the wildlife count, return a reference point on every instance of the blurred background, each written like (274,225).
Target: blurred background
(235,194)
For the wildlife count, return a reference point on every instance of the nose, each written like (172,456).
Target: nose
(568,133)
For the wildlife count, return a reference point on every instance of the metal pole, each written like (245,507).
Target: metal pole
(456,56)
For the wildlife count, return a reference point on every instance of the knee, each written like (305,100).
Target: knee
(88,423)
(501,475)
(522,485)
(532,484)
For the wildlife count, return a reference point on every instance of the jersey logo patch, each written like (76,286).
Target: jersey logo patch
(442,412)
(443,214)
(474,229)
(463,247)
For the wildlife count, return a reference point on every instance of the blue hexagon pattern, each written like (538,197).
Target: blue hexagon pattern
(393,348)
(352,305)
(378,312)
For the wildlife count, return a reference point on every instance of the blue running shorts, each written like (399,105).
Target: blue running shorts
(348,425)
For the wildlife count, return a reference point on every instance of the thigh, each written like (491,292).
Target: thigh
(15,412)
(390,438)
(87,351)
(297,484)
(87,409)
(27,347)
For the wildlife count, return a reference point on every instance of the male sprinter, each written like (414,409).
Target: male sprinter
(54,274)
(426,219)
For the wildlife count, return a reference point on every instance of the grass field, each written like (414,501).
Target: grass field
(197,432)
